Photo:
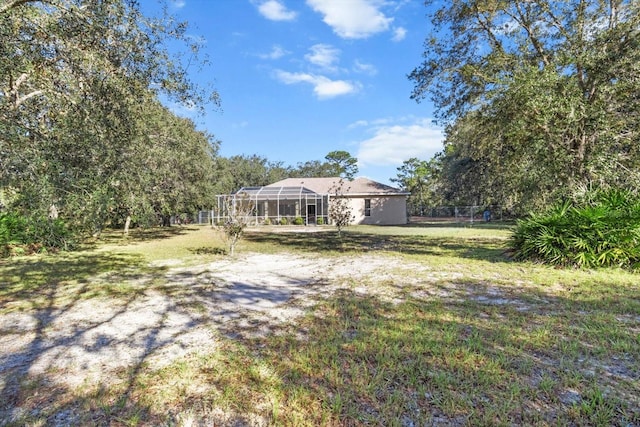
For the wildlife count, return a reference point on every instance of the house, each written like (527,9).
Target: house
(309,198)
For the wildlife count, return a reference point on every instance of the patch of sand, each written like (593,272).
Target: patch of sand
(87,340)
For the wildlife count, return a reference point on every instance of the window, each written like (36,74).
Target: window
(367,207)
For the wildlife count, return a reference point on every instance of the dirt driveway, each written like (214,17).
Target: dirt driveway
(86,341)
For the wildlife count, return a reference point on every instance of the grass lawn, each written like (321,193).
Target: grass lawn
(463,337)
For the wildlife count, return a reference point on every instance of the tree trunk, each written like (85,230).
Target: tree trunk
(127,223)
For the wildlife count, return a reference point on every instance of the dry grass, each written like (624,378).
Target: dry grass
(451,333)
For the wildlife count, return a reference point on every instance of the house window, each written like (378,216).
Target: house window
(367,207)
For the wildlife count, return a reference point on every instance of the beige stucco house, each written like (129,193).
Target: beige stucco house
(309,198)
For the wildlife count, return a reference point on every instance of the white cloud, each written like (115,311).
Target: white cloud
(323,87)
(393,144)
(178,4)
(361,67)
(399,34)
(323,55)
(274,10)
(240,125)
(352,19)
(277,52)
(357,124)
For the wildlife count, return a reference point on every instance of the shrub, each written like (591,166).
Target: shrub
(320,221)
(298,221)
(601,228)
(20,234)
(13,228)
(284,221)
(267,221)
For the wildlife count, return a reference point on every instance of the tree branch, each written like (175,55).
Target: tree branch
(525,23)
(22,99)
(12,4)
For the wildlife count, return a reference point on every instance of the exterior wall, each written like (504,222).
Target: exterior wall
(386,210)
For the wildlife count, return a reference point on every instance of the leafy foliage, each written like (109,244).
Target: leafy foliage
(538,96)
(337,164)
(81,124)
(342,164)
(600,228)
(20,234)
(238,210)
(340,213)
(419,177)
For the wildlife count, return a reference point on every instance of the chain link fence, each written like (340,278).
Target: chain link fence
(460,214)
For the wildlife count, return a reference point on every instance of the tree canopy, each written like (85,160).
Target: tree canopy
(418,178)
(538,96)
(80,122)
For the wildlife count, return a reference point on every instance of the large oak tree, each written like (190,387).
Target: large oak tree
(539,96)
(80,122)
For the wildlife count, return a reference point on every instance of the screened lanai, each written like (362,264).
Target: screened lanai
(276,205)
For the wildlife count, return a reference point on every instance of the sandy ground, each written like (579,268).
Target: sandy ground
(86,341)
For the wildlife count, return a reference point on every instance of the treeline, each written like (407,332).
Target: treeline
(84,140)
(540,99)
(233,173)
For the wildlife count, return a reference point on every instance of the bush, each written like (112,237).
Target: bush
(21,235)
(13,228)
(267,221)
(298,221)
(320,221)
(284,221)
(598,229)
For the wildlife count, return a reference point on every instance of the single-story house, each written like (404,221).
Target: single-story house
(309,198)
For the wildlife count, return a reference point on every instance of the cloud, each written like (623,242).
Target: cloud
(323,55)
(274,10)
(357,124)
(323,87)
(393,144)
(361,67)
(178,4)
(277,52)
(353,19)
(399,34)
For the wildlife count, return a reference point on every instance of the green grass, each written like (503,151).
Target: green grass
(471,338)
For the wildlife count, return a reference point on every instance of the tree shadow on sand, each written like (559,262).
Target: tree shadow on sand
(94,309)
(484,249)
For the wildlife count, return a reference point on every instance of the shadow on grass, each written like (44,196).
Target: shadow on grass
(40,292)
(141,313)
(206,250)
(494,225)
(471,358)
(118,238)
(466,353)
(484,249)
(26,279)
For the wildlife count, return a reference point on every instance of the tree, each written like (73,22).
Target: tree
(76,80)
(238,209)
(419,177)
(340,213)
(240,171)
(313,169)
(336,164)
(536,93)
(342,164)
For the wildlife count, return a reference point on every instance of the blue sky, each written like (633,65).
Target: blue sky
(301,78)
